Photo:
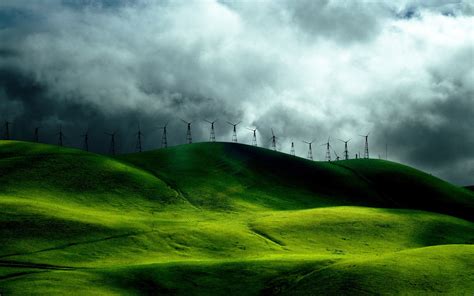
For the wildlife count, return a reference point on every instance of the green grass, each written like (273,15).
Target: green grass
(221,218)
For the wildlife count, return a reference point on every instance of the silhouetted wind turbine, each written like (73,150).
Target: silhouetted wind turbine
(189,138)
(254,137)
(328,150)
(164,137)
(112,142)
(36,135)
(212,136)
(346,151)
(310,149)
(366,148)
(7,130)
(138,146)
(274,140)
(234,133)
(85,144)
(60,135)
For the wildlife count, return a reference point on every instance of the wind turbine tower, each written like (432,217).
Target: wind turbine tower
(254,137)
(7,130)
(366,149)
(164,137)
(189,138)
(234,131)
(138,146)
(212,136)
(60,136)
(85,143)
(328,150)
(310,149)
(112,142)
(346,151)
(36,136)
(273,139)
(292,151)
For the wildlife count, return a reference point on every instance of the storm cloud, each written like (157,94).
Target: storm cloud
(402,70)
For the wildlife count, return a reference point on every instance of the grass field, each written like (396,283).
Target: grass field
(221,218)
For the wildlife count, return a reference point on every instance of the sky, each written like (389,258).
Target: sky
(402,71)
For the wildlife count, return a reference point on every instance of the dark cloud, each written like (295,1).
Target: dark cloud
(437,134)
(306,69)
(342,21)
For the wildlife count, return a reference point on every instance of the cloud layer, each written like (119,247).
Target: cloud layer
(308,69)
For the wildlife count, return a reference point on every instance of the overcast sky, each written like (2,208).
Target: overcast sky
(401,70)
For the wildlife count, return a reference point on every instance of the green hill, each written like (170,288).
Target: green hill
(226,176)
(222,218)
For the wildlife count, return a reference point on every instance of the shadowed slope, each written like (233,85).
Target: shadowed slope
(225,175)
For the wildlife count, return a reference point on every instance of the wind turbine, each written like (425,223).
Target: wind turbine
(346,151)
(254,138)
(60,135)
(273,139)
(212,137)
(7,130)
(234,133)
(328,150)
(138,146)
(85,143)
(36,134)
(189,138)
(164,137)
(310,149)
(112,142)
(366,149)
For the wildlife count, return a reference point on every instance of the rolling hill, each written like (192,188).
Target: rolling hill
(222,218)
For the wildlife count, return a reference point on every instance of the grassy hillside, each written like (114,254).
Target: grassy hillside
(215,218)
(226,176)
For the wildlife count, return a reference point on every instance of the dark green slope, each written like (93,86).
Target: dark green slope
(225,175)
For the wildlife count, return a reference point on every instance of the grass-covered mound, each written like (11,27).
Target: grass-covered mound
(226,176)
(215,218)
